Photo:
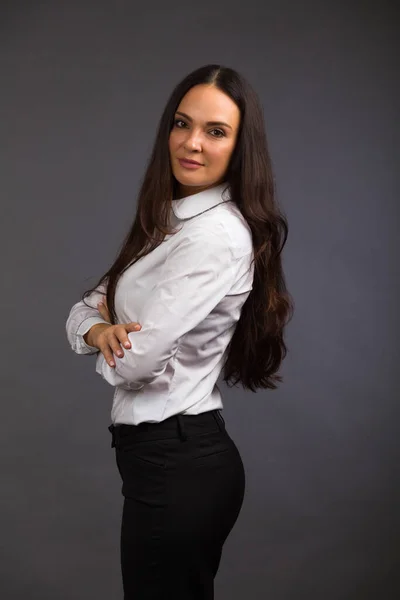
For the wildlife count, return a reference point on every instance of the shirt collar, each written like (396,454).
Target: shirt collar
(190,206)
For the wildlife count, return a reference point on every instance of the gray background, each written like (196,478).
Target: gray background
(83,85)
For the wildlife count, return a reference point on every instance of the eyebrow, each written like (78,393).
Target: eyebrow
(178,112)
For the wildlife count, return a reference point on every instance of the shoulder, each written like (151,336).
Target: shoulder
(224,226)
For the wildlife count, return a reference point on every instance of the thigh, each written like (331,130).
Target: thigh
(205,491)
(143,473)
(142,564)
(182,499)
(205,494)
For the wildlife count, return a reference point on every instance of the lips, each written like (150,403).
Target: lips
(193,162)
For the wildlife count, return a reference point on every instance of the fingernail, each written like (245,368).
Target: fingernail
(119,353)
(112,363)
(137,327)
(127,345)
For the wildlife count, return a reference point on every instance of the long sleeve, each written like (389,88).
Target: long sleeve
(195,277)
(81,318)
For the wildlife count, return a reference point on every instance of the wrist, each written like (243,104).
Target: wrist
(90,336)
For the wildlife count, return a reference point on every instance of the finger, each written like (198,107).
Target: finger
(122,333)
(115,343)
(106,351)
(111,337)
(130,327)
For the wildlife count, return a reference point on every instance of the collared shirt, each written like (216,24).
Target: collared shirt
(187,295)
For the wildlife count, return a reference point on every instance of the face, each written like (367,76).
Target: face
(205,130)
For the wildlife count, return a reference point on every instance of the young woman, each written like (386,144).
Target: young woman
(197,287)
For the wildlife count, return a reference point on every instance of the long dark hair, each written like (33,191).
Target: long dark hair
(257,347)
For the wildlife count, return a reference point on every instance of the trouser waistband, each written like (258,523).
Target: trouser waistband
(182,425)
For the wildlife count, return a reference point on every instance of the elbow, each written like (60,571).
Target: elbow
(137,376)
(138,371)
(146,360)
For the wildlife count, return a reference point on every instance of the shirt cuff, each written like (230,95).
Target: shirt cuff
(81,347)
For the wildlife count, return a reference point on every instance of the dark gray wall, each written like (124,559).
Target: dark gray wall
(82,88)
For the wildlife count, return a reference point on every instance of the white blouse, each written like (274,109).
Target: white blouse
(187,295)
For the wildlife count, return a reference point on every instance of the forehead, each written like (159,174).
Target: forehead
(207,103)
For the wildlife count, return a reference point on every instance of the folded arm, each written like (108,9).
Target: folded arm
(195,277)
(81,318)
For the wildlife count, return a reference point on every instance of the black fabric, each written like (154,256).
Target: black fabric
(183,483)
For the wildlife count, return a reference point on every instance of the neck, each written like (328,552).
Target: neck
(183,191)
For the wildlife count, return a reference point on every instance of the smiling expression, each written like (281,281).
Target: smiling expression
(205,130)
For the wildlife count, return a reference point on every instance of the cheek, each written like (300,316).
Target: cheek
(174,140)
(222,155)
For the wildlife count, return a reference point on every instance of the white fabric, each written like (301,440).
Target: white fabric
(187,294)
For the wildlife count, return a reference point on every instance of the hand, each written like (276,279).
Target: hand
(109,338)
(103,310)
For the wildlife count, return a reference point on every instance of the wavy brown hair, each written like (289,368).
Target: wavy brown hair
(257,348)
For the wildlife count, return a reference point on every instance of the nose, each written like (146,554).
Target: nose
(193,142)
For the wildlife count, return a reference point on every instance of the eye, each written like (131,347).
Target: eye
(177,121)
(219,131)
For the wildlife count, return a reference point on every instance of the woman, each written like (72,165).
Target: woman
(197,287)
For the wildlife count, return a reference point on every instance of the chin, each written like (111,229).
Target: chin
(184,179)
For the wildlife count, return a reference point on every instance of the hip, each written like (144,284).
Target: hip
(189,448)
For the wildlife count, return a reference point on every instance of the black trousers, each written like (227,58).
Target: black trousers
(183,483)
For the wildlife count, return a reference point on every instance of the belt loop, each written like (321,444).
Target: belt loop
(181,428)
(111,430)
